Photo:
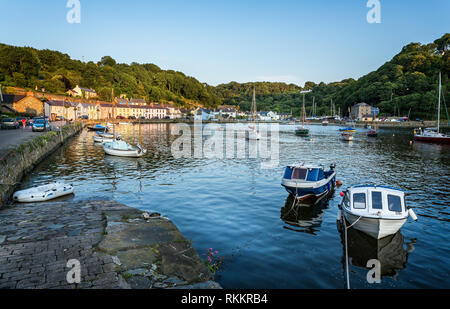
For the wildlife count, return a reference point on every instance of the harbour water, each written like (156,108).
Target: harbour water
(240,209)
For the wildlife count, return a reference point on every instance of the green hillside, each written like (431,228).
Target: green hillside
(410,78)
(57,72)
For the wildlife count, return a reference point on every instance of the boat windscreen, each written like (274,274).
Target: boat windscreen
(299,173)
(377,202)
(359,201)
(313,174)
(394,203)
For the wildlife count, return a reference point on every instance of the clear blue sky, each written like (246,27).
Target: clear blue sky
(232,40)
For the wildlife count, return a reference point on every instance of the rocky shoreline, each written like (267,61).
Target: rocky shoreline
(118,247)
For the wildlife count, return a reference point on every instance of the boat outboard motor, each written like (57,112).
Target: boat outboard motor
(333,166)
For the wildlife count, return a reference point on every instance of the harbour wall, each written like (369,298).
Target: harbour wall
(19,161)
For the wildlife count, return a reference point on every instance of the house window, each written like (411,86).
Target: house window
(359,201)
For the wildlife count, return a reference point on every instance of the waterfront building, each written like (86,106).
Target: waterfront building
(358,111)
(27,104)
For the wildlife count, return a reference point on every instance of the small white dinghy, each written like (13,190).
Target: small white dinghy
(43,193)
(378,211)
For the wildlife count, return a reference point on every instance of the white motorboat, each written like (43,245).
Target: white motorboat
(378,211)
(104,137)
(347,136)
(43,193)
(123,149)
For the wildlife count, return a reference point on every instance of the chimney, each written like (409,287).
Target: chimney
(30,93)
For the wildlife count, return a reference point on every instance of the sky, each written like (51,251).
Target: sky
(291,41)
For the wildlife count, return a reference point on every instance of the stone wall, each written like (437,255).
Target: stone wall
(26,156)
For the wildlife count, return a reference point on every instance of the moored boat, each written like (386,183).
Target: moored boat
(43,193)
(98,128)
(325,123)
(251,133)
(347,136)
(432,135)
(309,183)
(378,211)
(372,133)
(123,149)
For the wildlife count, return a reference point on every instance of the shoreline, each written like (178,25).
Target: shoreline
(25,156)
(116,247)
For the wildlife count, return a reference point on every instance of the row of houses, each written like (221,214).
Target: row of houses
(53,107)
(233,113)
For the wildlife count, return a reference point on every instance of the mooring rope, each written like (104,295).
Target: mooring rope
(346,248)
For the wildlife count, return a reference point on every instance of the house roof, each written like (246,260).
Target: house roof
(60,103)
(362,104)
(138,101)
(88,90)
(12,98)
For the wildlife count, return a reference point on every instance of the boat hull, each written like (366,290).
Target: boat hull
(311,194)
(375,227)
(43,193)
(430,139)
(302,132)
(123,153)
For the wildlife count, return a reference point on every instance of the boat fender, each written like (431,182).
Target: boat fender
(412,214)
(339,215)
(339,183)
(342,194)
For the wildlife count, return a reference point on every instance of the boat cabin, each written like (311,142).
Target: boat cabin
(375,201)
(306,173)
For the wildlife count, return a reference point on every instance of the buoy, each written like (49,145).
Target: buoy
(412,214)
(339,183)
(341,194)
(410,142)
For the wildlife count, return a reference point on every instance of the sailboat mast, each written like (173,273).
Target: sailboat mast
(303,112)
(254,107)
(114,112)
(140,130)
(439,104)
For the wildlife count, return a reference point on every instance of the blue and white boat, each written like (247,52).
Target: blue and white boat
(309,183)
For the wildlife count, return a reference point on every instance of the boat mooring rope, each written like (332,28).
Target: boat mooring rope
(346,248)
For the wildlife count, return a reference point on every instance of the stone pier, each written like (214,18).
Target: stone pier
(118,247)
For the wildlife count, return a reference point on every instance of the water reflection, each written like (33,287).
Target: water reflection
(303,217)
(390,251)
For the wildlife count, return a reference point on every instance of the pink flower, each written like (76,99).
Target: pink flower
(209,259)
(217,252)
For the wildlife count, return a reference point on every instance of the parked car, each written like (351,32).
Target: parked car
(132,117)
(120,117)
(40,125)
(10,123)
(59,118)
(84,117)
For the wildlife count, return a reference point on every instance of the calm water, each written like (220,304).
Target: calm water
(241,210)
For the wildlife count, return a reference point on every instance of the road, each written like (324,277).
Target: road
(9,139)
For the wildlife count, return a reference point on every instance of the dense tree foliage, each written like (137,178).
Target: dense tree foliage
(408,84)
(57,72)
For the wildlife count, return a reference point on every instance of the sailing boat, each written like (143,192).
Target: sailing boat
(302,131)
(252,133)
(373,132)
(120,148)
(433,135)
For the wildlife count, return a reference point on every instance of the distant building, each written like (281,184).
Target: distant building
(85,93)
(360,110)
(203,114)
(64,109)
